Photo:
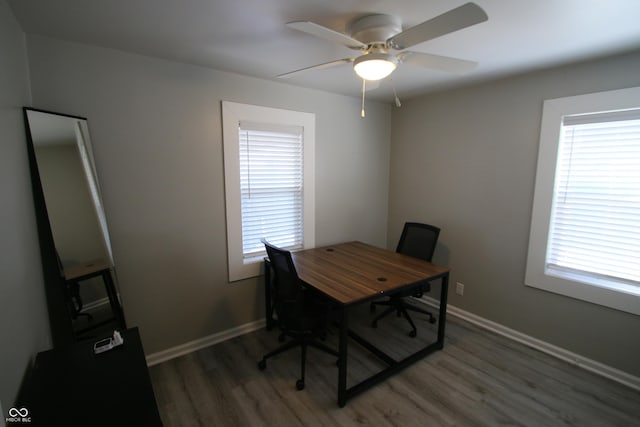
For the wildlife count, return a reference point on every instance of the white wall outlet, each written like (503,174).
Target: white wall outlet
(459,288)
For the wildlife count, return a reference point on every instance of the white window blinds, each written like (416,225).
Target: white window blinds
(594,235)
(271,186)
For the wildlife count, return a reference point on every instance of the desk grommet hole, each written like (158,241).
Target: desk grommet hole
(381,279)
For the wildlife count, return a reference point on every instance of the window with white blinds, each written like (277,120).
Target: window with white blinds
(269,180)
(594,234)
(271,186)
(584,240)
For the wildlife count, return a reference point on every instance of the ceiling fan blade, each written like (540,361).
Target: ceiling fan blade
(456,19)
(317,67)
(326,33)
(437,62)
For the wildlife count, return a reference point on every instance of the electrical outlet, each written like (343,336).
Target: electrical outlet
(459,288)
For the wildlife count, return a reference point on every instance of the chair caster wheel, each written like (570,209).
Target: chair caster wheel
(300,384)
(262,365)
(413,334)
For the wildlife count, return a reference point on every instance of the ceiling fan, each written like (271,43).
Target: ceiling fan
(376,36)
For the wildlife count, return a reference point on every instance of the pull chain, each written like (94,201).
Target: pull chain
(364,83)
(395,94)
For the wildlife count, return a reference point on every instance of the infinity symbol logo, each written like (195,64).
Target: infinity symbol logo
(15,412)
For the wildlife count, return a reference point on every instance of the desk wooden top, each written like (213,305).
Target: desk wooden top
(86,269)
(354,271)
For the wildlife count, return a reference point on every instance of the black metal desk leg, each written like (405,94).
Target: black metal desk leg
(444,292)
(114,300)
(342,362)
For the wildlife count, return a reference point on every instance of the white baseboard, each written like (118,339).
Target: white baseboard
(181,350)
(568,356)
(93,305)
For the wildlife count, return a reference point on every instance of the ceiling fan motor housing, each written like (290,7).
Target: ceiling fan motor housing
(375,29)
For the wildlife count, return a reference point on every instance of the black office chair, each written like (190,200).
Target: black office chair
(417,240)
(301,316)
(72,293)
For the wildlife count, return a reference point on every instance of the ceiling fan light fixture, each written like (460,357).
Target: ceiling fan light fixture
(375,66)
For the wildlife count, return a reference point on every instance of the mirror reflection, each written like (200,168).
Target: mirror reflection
(74,208)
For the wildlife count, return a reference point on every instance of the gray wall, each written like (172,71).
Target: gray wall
(24,328)
(465,160)
(72,215)
(156,131)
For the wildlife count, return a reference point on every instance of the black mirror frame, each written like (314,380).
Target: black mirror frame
(59,319)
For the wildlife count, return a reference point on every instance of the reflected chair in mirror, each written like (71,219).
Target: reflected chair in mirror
(75,301)
(72,293)
(419,241)
(301,315)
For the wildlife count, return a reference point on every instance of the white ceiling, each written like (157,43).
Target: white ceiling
(250,37)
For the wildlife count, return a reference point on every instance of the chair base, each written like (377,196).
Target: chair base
(76,315)
(402,308)
(303,343)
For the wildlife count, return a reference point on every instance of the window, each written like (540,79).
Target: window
(269,182)
(270,187)
(585,229)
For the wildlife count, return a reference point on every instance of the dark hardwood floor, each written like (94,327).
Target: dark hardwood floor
(479,379)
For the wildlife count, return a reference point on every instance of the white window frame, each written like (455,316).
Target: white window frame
(232,114)
(553,112)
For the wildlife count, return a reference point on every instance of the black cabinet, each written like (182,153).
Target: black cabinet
(72,386)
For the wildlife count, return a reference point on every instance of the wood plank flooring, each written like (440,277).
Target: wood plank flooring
(479,379)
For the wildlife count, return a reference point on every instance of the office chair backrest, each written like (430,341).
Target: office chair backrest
(418,240)
(288,292)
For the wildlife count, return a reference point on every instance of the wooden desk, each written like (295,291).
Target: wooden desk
(72,386)
(353,273)
(86,270)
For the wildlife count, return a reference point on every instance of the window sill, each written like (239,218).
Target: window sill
(611,285)
(616,299)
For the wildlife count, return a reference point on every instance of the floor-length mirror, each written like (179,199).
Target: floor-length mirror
(72,204)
